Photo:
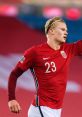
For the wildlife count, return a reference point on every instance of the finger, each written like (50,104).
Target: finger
(17,108)
(12,108)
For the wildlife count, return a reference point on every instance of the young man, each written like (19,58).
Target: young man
(49,64)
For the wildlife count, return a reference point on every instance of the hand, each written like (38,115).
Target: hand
(14,106)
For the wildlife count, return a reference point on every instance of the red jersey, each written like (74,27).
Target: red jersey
(50,68)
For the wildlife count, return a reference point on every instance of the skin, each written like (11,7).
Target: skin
(14,106)
(55,37)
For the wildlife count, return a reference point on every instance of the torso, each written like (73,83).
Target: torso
(51,72)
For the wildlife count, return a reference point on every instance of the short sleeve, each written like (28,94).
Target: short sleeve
(27,61)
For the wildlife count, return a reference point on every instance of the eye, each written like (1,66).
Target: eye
(62,29)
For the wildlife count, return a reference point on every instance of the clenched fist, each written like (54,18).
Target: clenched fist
(14,106)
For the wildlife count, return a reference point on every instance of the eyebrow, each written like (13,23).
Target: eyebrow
(64,29)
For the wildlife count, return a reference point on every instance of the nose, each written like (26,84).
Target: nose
(66,33)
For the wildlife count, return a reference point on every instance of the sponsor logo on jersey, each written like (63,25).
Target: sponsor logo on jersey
(64,55)
(46,58)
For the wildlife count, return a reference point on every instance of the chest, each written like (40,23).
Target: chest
(52,61)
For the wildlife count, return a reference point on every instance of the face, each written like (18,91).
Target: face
(59,32)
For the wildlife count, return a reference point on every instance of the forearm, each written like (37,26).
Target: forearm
(12,82)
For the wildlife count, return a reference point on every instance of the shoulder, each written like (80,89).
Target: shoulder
(73,43)
(72,46)
(30,49)
(39,47)
(68,45)
(34,48)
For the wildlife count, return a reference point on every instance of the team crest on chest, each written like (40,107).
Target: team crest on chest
(63,53)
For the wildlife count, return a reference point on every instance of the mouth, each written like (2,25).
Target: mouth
(65,37)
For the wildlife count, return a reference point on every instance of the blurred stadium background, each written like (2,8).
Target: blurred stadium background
(21,26)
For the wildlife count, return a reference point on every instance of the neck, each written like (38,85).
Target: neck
(53,44)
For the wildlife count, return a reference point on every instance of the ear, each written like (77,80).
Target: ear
(51,31)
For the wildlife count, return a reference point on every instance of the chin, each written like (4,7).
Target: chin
(64,41)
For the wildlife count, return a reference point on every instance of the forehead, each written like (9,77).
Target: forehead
(61,25)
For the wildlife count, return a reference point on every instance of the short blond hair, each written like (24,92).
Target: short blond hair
(51,22)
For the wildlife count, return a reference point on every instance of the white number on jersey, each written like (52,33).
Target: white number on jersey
(51,67)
